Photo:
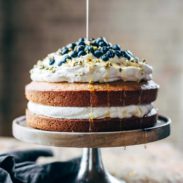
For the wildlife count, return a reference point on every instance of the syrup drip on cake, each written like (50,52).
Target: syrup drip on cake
(91,88)
(91,115)
(124,97)
(139,101)
(121,102)
(108,95)
(87,18)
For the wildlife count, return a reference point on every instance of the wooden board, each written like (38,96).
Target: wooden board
(91,139)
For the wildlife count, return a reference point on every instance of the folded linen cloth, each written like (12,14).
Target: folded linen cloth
(21,167)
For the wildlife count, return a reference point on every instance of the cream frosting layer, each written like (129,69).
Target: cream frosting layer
(91,112)
(90,69)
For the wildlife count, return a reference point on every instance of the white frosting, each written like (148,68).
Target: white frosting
(90,69)
(88,112)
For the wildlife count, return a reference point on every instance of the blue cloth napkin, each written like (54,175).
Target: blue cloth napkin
(21,167)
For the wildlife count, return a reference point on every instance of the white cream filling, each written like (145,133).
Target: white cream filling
(85,112)
(90,69)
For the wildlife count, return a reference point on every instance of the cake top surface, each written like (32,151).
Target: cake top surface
(93,60)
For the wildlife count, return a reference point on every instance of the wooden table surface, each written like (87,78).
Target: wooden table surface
(160,162)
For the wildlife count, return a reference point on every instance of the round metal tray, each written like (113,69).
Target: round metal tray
(91,166)
(91,139)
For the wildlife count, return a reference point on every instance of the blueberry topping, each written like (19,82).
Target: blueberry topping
(129,52)
(118,53)
(116,47)
(99,47)
(99,39)
(80,48)
(102,43)
(104,49)
(125,55)
(74,54)
(91,39)
(110,54)
(64,50)
(64,60)
(81,53)
(97,53)
(51,61)
(105,57)
(94,44)
(89,49)
(71,46)
(81,41)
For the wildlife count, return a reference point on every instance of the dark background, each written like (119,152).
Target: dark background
(153,30)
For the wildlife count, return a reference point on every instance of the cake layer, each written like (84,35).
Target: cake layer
(90,112)
(98,94)
(84,125)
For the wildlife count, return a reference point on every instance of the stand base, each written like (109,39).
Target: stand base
(100,178)
(92,169)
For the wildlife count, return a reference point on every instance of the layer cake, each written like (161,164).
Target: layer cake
(91,85)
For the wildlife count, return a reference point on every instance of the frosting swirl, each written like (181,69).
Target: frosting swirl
(95,60)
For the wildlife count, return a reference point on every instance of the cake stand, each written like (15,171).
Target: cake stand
(91,166)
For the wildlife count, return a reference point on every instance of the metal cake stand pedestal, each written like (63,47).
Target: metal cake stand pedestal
(91,167)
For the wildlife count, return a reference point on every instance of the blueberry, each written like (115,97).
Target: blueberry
(104,49)
(99,39)
(51,61)
(110,54)
(71,46)
(89,49)
(97,54)
(64,50)
(81,41)
(129,52)
(64,59)
(126,55)
(81,53)
(118,53)
(91,39)
(131,55)
(80,48)
(102,43)
(116,47)
(94,43)
(74,54)
(105,57)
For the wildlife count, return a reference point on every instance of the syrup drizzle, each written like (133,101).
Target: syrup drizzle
(121,102)
(139,103)
(91,116)
(87,18)
(90,86)
(108,95)
(141,120)
(124,97)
